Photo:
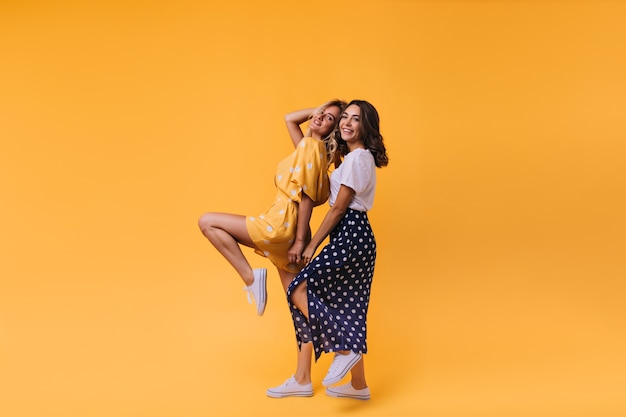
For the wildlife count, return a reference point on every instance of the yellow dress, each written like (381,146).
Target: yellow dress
(304,171)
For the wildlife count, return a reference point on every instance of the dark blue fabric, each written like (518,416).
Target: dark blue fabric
(338,281)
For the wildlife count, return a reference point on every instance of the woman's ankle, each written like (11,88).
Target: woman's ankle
(358,384)
(302,378)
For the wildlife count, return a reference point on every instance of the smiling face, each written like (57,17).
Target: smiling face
(350,126)
(321,124)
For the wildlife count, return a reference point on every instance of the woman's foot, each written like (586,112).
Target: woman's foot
(342,363)
(258,290)
(291,388)
(347,391)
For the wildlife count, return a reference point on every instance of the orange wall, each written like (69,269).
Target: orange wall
(500,219)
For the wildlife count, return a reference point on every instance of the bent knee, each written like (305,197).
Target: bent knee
(206,221)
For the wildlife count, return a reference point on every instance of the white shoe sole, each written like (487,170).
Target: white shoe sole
(345,395)
(272,394)
(260,308)
(263,292)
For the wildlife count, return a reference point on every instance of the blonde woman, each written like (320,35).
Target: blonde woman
(282,231)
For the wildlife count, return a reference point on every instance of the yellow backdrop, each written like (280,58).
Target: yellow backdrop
(500,220)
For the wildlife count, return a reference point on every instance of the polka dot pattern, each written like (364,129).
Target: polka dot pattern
(338,281)
(273,231)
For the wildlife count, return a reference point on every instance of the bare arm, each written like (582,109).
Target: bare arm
(303,229)
(294,120)
(332,218)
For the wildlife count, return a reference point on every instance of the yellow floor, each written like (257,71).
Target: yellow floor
(186,343)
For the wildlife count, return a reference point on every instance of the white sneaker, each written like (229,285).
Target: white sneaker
(347,391)
(340,367)
(258,290)
(291,388)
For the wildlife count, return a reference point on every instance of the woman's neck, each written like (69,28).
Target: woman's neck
(357,145)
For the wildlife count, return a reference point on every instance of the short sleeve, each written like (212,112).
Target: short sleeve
(309,172)
(356,172)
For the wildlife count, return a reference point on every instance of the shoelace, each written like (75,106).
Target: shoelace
(289,381)
(335,363)
(344,388)
(249,294)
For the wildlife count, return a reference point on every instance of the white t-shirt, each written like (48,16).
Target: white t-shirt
(357,171)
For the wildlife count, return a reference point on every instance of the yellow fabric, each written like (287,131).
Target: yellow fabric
(305,170)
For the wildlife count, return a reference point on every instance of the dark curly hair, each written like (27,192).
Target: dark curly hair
(369,134)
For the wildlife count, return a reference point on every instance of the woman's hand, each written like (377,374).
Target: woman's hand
(294,254)
(294,120)
(308,253)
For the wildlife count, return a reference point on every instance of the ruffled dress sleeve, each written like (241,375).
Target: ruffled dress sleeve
(306,172)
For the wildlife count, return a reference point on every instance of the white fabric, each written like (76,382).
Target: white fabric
(357,171)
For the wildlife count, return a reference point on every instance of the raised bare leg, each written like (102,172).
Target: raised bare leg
(226,231)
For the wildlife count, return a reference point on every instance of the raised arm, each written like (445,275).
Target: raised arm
(293,121)
(332,218)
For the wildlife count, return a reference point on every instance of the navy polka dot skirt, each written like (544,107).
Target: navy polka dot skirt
(338,281)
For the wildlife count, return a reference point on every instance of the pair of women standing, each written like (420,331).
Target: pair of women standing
(329,298)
